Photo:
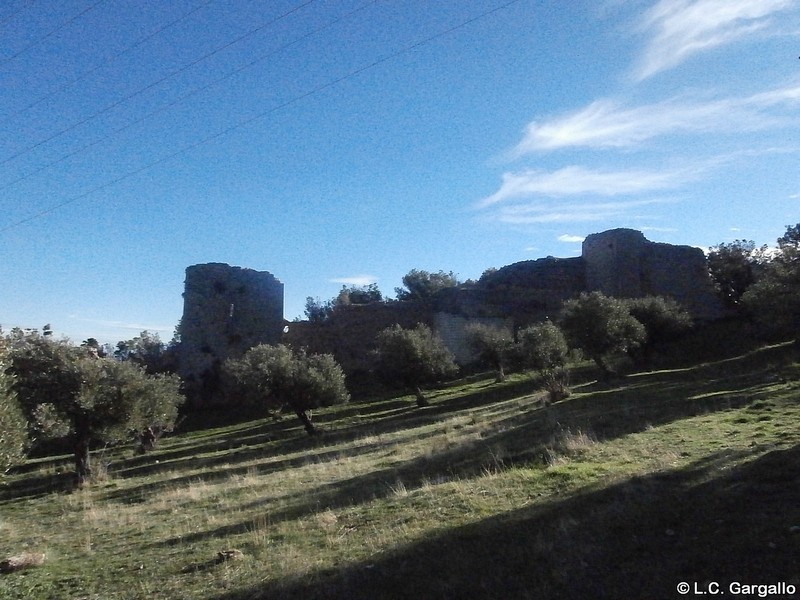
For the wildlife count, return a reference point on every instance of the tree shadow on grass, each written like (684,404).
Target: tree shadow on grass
(714,521)
(519,434)
(526,439)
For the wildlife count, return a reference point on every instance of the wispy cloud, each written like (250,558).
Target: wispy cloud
(569,212)
(359,280)
(682,28)
(606,123)
(576,180)
(571,239)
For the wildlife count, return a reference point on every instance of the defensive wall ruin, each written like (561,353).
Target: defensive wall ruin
(226,311)
(229,309)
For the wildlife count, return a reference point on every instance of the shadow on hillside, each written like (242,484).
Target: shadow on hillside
(520,438)
(518,435)
(266,440)
(635,539)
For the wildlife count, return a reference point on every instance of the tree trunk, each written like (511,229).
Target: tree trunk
(422,401)
(607,373)
(501,374)
(83,468)
(306,421)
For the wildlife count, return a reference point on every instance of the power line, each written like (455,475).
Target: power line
(10,16)
(107,61)
(156,83)
(249,120)
(186,96)
(52,32)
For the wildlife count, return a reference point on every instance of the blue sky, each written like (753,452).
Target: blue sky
(337,142)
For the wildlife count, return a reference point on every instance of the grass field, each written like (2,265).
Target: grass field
(623,490)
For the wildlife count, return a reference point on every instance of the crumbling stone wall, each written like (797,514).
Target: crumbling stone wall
(532,290)
(452,328)
(226,311)
(229,309)
(350,332)
(623,263)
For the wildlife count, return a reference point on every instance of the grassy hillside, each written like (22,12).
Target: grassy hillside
(623,490)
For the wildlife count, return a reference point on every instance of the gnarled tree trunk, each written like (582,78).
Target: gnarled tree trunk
(306,421)
(83,437)
(422,401)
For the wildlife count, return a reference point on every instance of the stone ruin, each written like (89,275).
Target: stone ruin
(226,311)
(229,309)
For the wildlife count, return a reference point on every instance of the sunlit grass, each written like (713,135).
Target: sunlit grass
(383,479)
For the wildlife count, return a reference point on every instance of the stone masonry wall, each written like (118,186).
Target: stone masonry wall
(623,263)
(350,333)
(226,311)
(229,309)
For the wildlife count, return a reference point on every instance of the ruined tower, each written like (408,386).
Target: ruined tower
(226,311)
(623,263)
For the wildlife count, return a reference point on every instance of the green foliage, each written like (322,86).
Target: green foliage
(413,357)
(775,299)
(13,427)
(543,346)
(317,311)
(280,377)
(600,325)
(358,295)
(66,390)
(734,267)
(492,345)
(422,285)
(148,351)
(664,320)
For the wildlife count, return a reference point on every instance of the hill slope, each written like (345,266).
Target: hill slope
(622,490)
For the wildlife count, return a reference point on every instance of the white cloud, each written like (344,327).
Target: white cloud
(681,28)
(359,280)
(575,212)
(575,180)
(658,229)
(605,123)
(571,238)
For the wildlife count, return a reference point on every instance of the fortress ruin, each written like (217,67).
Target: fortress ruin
(229,309)
(226,311)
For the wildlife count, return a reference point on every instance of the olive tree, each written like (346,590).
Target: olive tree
(775,299)
(148,351)
(664,320)
(422,285)
(282,378)
(493,345)
(67,391)
(734,267)
(544,348)
(600,326)
(414,357)
(13,427)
